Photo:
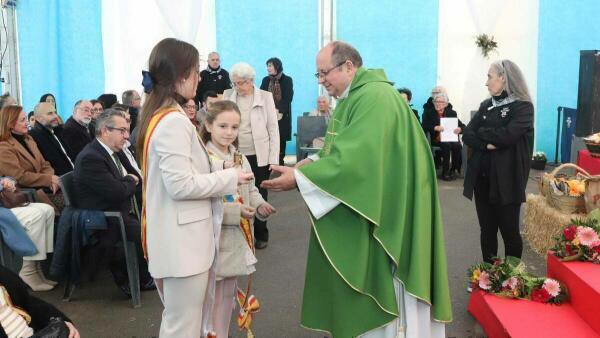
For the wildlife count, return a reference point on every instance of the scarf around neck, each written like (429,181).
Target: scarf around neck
(275,87)
(213,71)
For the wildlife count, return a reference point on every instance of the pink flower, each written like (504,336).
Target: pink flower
(587,236)
(484,281)
(552,287)
(510,283)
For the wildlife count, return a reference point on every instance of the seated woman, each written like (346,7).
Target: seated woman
(20,157)
(431,125)
(22,315)
(38,221)
(323,108)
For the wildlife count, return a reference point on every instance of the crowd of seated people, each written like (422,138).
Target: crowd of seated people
(34,154)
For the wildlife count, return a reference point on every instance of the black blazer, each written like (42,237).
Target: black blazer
(40,311)
(51,148)
(75,136)
(98,183)
(284,105)
(431,119)
(508,127)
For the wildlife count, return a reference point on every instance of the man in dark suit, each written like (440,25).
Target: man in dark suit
(212,78)
(47,136)
(76,133)
(105,180)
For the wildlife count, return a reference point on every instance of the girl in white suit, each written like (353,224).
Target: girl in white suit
(183,191)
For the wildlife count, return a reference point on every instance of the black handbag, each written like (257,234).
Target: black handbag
(56,329)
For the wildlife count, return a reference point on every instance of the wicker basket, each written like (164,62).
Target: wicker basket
(593,148)
(563,203)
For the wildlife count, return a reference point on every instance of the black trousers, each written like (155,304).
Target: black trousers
(494,216)
(448,149)
(116,254)
(282,143)
(261,233)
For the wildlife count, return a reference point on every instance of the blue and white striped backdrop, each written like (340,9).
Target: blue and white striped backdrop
(80,49)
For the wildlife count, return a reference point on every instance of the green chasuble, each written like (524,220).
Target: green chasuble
(376,161)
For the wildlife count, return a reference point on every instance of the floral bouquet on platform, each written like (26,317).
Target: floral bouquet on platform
(508,278)
(579,241)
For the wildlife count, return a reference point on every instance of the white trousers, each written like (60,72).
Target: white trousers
(224,305)
(182,298)
(38,221)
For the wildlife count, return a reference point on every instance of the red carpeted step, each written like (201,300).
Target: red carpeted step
(583,281)
(512,318)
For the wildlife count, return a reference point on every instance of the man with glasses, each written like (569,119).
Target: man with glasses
(104,179)
(376,259)
(76,132)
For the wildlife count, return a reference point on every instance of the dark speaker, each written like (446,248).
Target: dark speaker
(588,98)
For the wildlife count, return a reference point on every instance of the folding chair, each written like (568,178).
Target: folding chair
(309,128)
(66,185)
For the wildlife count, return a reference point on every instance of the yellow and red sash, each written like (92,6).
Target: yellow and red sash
(144,166)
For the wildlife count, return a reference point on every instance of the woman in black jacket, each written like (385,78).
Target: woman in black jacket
(282,88)
(40,312)
(499,135)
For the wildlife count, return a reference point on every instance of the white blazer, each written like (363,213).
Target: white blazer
(179,215)
(263,121)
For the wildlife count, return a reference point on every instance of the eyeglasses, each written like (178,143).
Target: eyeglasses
(122,130)
(97,110)
(239,83)
(323,73)
(86,110)
(190,106)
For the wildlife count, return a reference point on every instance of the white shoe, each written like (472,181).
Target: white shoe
(30,276)
(40,271)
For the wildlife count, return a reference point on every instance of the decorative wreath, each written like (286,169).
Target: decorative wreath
(486,43)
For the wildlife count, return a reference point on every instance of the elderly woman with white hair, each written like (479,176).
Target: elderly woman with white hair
(500,135)
(259,133)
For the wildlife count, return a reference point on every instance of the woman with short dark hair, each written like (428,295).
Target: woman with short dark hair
(282,88)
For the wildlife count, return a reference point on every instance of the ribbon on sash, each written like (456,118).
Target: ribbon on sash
(144,167)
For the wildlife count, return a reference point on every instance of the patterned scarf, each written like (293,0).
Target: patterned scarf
(275,87)
(213,71)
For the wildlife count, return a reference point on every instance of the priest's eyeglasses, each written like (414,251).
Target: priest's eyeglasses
(323,73)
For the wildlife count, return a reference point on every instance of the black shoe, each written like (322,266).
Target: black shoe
(148,285)
(260,244)
(125,289)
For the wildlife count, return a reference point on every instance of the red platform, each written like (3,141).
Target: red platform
(583,281)
(587,162)
(512,318)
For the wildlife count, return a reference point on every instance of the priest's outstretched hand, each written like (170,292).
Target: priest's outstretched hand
(286,181)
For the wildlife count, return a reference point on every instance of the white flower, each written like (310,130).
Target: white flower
(552,287)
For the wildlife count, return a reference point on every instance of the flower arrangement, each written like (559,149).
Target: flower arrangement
(486,43)
(539,156)
(579,241)
(508,278)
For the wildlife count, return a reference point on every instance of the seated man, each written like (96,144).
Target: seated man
(209,97)
(431,125)
(47,136)
(76,133)
(323,108)
(132,99)
(406,94)
(105,180)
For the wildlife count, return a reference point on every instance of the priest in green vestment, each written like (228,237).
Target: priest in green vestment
(376,261)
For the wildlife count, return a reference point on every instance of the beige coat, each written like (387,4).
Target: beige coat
(182,192)
(235,257)
(27,170)
(263,121)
